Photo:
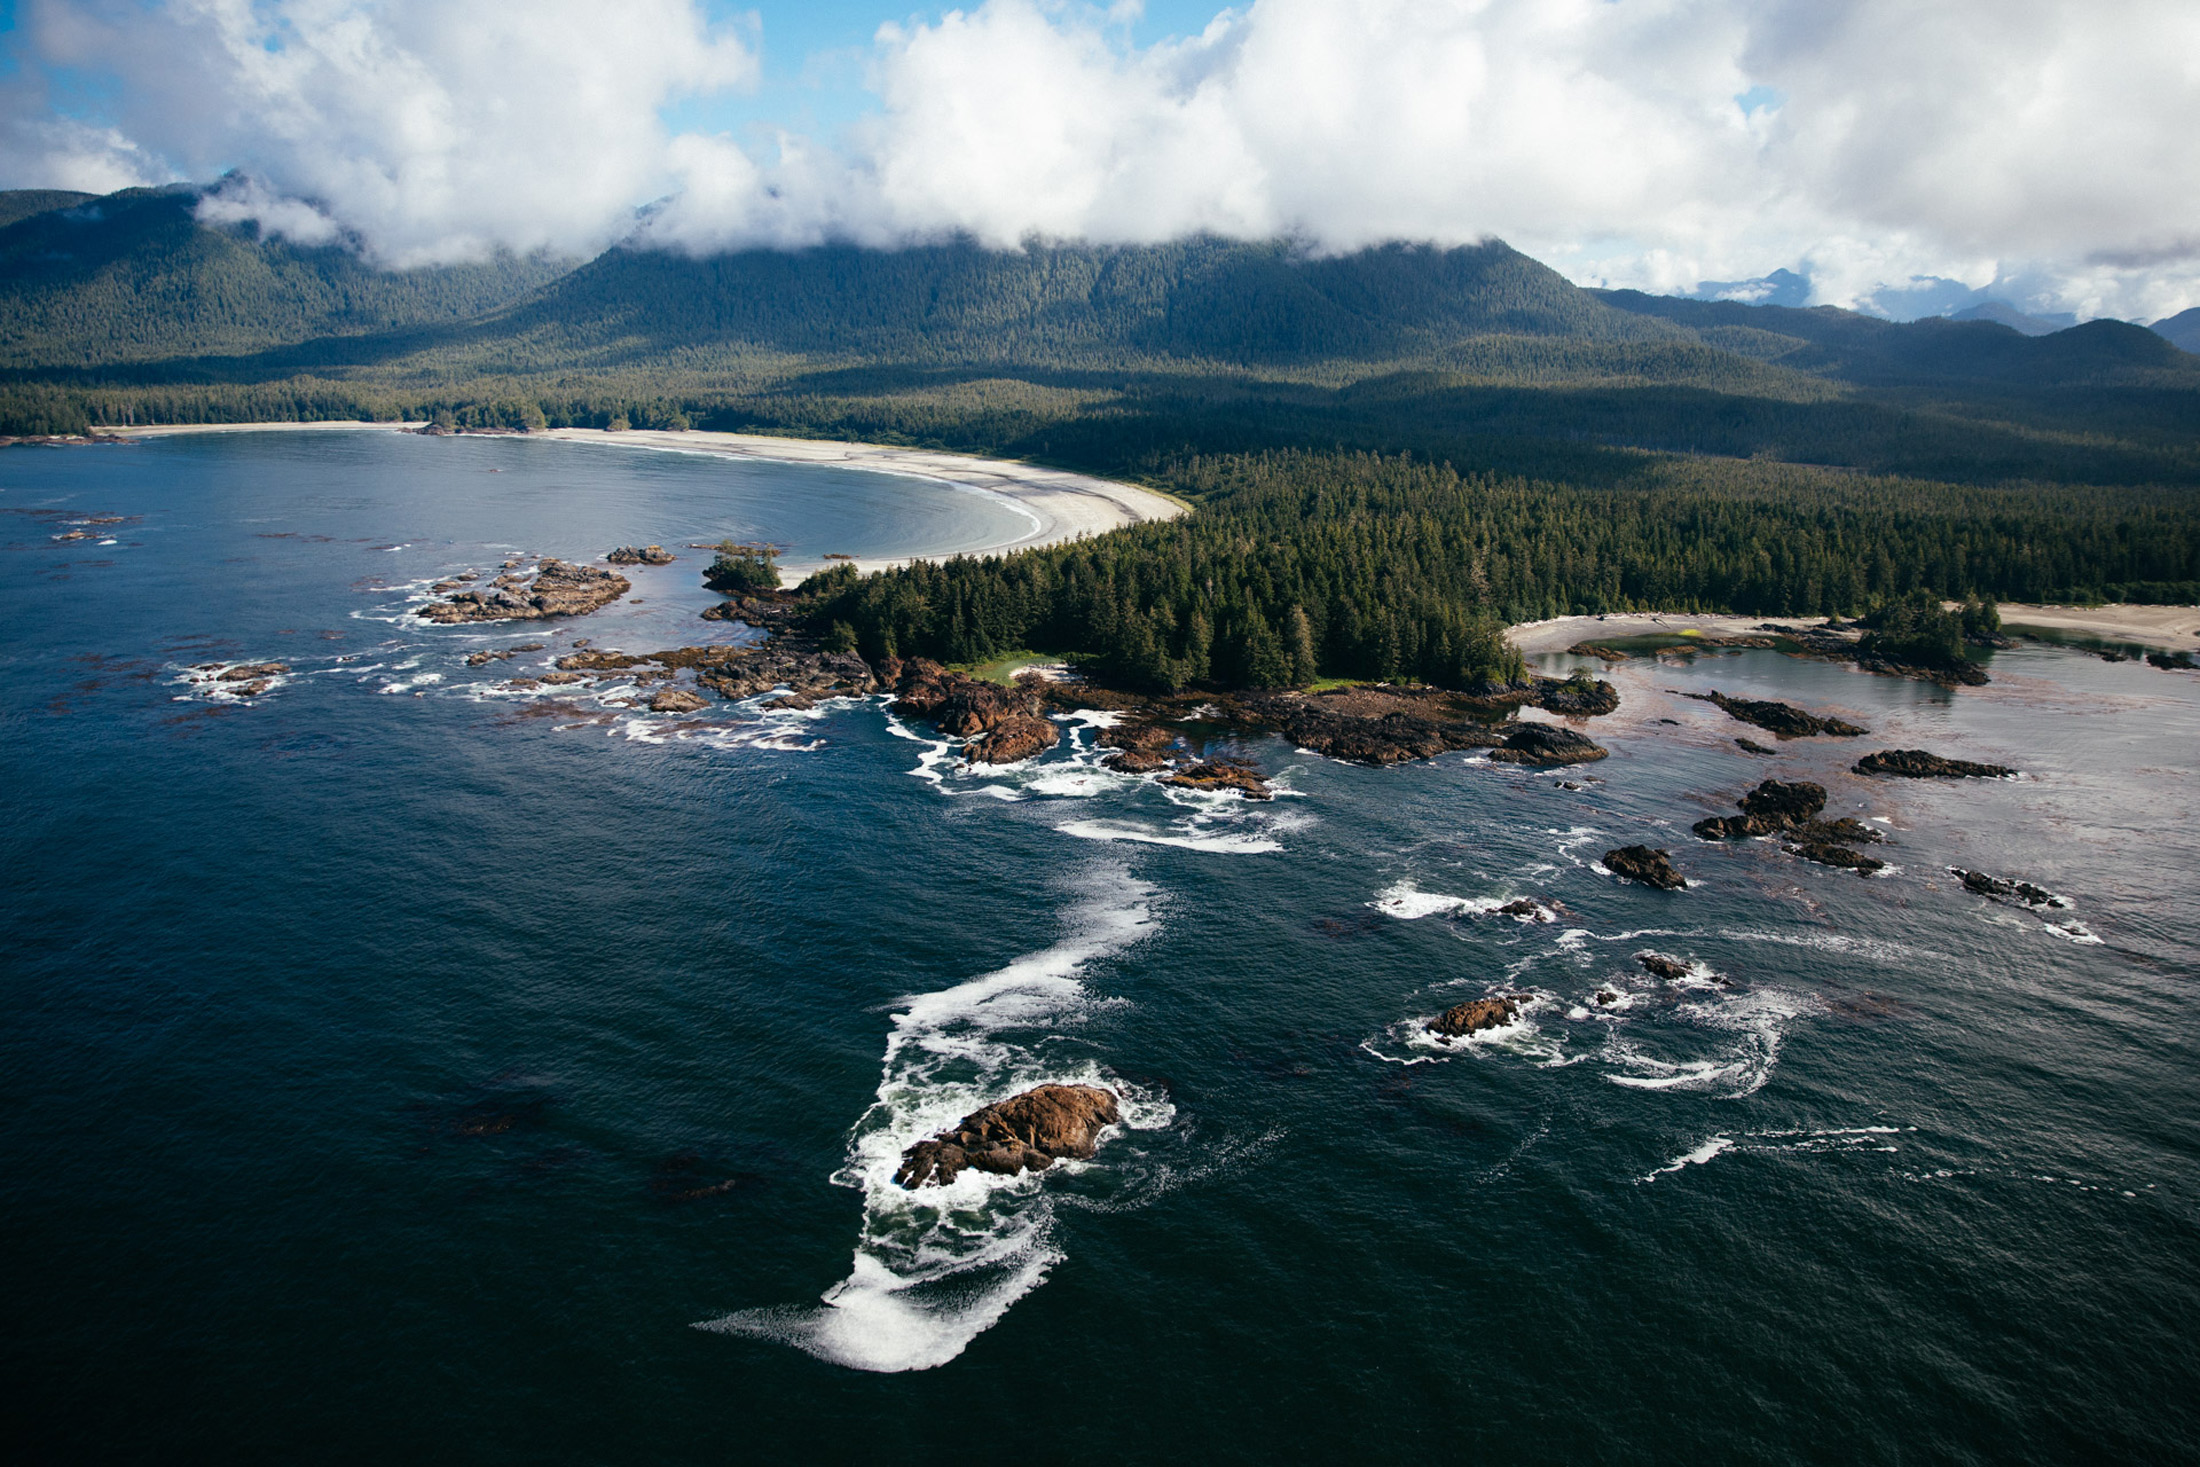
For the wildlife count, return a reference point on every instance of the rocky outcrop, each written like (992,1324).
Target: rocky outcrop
(1580,696)
(1141,748)
(1658,965)
(246,672)
(1017,737)
(1779,807)
(2003,888)
(2172,661)
(676,700)
(1830,853)
(1547,745)
(1027,1132)
(1649,866)
(1957,675)
(1002,724)
(1473,1016)
(1372,725)
(1783,719)
(640,555)
(1751,746)
(1918,764)
(559,588)
(1773,806)
(1223,774)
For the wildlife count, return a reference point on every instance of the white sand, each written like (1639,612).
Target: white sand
(2153,626)
(1056,504)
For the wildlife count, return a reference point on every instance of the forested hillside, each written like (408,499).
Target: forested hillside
(1301,564)
(134,277)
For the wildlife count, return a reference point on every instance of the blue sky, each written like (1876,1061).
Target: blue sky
(814,53)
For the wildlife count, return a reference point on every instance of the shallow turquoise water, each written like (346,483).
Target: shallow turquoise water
(365,1045)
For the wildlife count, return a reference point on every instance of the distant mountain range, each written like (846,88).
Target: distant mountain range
(133,279)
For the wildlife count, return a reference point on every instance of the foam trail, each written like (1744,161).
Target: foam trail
(936,1268)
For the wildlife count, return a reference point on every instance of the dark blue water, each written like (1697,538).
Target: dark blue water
(396,1065)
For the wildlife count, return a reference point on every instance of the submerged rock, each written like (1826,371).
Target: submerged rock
(1647,865)
(1751,746)
(1027,1132)
(1548,745)
(1918,764)
(1473,1016)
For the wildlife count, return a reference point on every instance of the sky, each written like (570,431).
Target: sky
(1898,155)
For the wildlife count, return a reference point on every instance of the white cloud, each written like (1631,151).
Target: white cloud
(434,129)
(2037,147)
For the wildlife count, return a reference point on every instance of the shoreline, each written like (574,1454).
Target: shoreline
(2171,627)
(1059,505)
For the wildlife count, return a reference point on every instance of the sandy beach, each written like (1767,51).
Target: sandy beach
(1056,504)
(2151,626)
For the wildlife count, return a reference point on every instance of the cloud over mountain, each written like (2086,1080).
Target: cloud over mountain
(2038,145)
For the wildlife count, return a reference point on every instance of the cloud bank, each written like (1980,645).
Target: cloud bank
(2039,148)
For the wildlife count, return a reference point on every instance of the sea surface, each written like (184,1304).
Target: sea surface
(399,1066)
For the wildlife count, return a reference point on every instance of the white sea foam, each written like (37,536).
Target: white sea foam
(1716,1146)
(1185,835)
(1757,1021)
(936,1267)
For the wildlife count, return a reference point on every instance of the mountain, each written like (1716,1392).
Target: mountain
(135,277)
(22,203)
(2181,330)
(2007,315)
(1203,299)
(1935,350)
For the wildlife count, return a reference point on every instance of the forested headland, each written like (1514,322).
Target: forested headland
(1389,453)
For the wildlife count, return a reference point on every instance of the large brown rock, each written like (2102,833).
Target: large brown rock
(1644,864)
(1027,1132)
(675,700)
(1917,764)
(1473,1016)
(640,555)
(1015,738)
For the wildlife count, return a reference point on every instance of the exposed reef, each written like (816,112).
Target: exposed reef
(1918,764)
(558,588)
(1783,720)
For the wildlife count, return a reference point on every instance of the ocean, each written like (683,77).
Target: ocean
(399,1065)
